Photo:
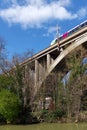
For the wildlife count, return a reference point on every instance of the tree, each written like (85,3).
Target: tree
(13,78)
(75,83)
(22,84)
(6,82)
(9,105)
(21,76)
(4,64)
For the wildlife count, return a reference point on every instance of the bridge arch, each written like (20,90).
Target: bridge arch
(76,43)
(70,48)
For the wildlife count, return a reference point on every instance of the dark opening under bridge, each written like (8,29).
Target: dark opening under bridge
(45,61)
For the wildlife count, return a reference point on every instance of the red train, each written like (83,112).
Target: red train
(68,33)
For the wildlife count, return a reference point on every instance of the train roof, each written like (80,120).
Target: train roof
(77,26)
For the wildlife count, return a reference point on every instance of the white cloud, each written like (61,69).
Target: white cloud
(82,12)
(53,30)
(33,13)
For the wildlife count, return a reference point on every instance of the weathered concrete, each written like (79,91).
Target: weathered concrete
(46,60)
(70,48)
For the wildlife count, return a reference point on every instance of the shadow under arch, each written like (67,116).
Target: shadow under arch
(70,48)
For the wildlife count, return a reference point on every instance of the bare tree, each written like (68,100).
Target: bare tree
(3,61)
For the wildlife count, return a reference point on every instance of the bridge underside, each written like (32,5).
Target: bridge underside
(41,68)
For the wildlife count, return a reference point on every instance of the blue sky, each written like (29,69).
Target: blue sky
(32,24)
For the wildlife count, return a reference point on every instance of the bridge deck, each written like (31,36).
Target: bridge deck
(54,47)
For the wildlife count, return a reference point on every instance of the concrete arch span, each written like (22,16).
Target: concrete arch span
(82,39)
(70,48)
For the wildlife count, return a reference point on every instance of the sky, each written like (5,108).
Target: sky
(32,24)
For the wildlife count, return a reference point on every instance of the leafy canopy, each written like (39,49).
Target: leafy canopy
(9,105)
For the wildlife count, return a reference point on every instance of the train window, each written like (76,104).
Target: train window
(72,31)
(69,33)
(85,23)
(76,29)
(82,25)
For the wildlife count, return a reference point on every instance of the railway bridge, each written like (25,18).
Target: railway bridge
(43,63)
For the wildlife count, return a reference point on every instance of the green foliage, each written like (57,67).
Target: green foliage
(18,77)
(59,113)
(9,105)
(53,115)
(6,82)
(47,116)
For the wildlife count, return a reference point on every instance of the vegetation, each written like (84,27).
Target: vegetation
(9,105)
(52,116)
(67,101)
(14,90)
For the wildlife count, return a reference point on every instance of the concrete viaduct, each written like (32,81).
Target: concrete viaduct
(45,61)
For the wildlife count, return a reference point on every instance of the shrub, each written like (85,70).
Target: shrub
(59,113)
(9,105)
(52,116)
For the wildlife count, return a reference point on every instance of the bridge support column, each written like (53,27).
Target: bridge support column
(52,60)
(48,60)
(41,71)
(26,72)
(36,72)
